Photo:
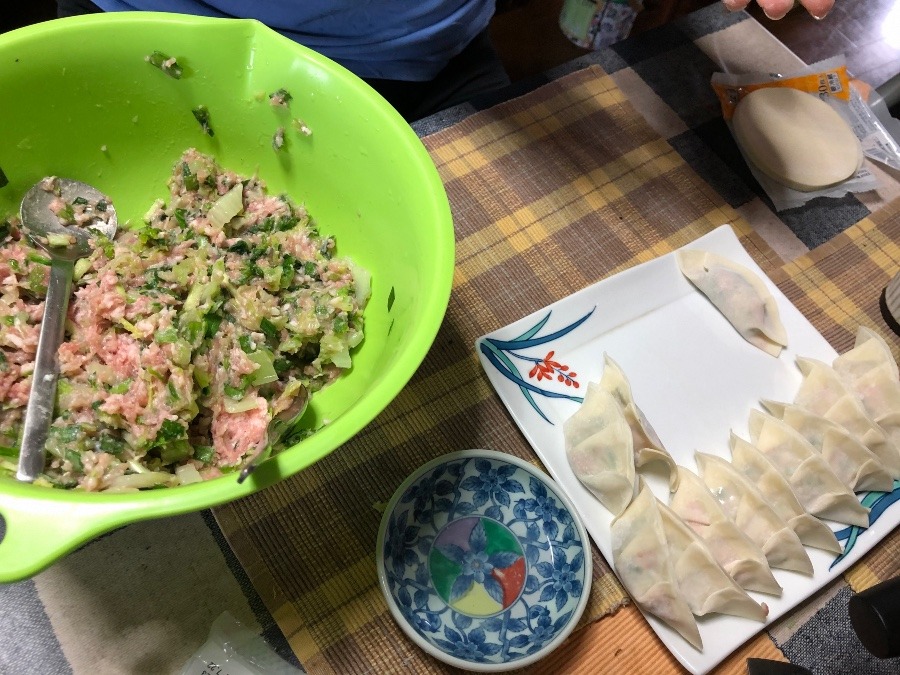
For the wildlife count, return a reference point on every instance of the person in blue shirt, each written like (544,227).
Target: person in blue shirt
(421,55)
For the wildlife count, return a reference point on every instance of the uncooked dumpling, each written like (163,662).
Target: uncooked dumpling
(825,393)
(869,350)
(810,477)
(702,582)
(599,449)
(647,446)
(852,462)
(748,509)
(739,294)
(795,138)
(732,549)
(641,559)
(775,488)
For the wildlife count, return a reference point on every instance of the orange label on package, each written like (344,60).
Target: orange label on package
(834,82)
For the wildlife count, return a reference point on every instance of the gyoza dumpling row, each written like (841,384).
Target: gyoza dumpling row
(670,572)
(609,437)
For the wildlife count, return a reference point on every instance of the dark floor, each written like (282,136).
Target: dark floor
(529,41)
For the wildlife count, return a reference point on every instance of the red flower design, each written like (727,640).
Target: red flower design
(545,369)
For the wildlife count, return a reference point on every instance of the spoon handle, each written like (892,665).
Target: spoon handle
(42,399)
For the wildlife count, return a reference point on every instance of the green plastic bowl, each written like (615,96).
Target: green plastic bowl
(80,101)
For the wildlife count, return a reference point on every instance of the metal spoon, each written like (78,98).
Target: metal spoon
(279,424)
(44,228)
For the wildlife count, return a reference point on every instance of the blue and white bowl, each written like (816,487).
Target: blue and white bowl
(483,561)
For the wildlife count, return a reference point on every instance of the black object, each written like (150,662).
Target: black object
(769,667)
(875,615)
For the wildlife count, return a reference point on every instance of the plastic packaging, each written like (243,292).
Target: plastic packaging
(232,649)
(594,24)
(830,81)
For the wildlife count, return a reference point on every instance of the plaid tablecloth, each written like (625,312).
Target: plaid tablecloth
(596,172)
(550,192)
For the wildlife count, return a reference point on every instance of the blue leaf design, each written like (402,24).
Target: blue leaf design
(551,528)
(519,510)
(465,508)
(421,599)
(537,488)
(519,641)
(494,589)
(531,584)
(482,465)
(548,593)
(503,559)
(569,534)
(453,552)
(493,625)
(494,513)
(443,644)
(506,470)
(578,560)
(443,504)
(535,329)
(877,502)
(513,486)
(480,498)
(452,635)
(516,626)
(533,341)
(431,621)
(533,532)
(545,569)
(443,487)
(502,497)
(471,483)
(477,636)
(562,620)
(461,586)
(478,537)
(490,649)
(461,621)
(404,597)
(561,599)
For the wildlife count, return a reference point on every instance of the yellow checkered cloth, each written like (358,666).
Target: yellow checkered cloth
(550,193)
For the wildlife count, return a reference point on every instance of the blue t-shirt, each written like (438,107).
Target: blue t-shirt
(389,39)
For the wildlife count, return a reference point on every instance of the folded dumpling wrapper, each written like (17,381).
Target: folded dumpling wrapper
(852,462)
(796,138)
(739,294)
(599,449)
(870,350)
(812,480)
(825,393)
(778,493)
(703,583)
(646,443)
(733,550)
(748,509)
(641,558)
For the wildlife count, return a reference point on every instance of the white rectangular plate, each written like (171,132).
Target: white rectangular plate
(695,379)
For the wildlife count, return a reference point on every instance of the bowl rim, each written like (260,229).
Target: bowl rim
(557,491)
(26,507)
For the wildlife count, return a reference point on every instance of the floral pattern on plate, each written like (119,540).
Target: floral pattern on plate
(482,562)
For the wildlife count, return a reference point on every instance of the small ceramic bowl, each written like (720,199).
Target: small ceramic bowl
(483,561)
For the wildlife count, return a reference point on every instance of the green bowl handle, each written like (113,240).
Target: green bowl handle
(40,531)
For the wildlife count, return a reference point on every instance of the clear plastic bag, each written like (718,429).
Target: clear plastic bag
(830,81)
(233,649)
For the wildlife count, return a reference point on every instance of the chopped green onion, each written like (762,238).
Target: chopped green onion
(166,64)
(39,259)
(268,329)
(169,431)
(121,387)
(190,180)
(235,393)
(201,114)
(166,336)
(280,97)
(246,343)
(204,453)
(240,246)
(176,451)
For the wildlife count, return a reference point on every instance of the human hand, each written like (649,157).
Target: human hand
(776,9)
